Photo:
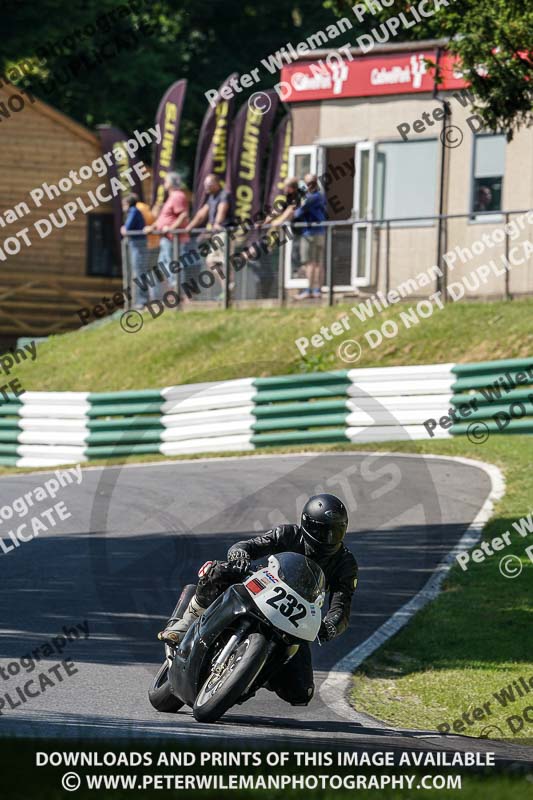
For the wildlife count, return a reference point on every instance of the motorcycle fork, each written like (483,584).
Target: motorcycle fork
(169,654)
(227,649)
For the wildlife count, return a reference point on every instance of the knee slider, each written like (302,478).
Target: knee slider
(305,698)
(301,698)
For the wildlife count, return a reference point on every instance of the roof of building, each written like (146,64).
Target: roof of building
(46,110)
(396,47)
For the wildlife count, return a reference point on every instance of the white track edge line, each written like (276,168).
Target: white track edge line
(334,690)
(256,454)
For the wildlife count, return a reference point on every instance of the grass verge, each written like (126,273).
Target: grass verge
(474,640)
(220,345)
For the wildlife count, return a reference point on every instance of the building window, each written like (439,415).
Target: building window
(489,167)
(302,164)
(406,180)
(103,257)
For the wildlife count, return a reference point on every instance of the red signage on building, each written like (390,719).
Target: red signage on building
(366,76)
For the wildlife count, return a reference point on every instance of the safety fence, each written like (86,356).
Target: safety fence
(358,405)
(496,394)
(248,262)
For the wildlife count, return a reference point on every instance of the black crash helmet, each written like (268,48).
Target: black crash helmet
(324,523)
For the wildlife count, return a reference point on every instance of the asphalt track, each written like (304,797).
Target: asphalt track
(151,526)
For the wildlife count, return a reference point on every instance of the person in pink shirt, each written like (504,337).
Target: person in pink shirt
(173,215)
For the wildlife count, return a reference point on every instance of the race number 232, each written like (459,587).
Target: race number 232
(287,604)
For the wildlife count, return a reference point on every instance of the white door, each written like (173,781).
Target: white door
(302,159)
(364,211)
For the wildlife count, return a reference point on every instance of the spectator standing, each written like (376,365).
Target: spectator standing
(215,215)
(287,208)
(149,220)
(285,215)
(137,245)
(215,212)
(312,210)
(173,215)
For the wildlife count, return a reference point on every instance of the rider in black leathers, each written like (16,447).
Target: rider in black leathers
(319,537)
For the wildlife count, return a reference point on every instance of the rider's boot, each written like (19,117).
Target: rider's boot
(177,628)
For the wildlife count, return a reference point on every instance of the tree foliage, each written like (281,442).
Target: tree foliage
(203,42)
(492,39)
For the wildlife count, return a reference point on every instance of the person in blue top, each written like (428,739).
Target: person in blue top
(137,246)
(312,210)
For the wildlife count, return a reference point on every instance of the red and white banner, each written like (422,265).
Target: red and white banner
(366,76)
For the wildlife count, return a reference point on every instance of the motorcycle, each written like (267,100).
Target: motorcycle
(242,639)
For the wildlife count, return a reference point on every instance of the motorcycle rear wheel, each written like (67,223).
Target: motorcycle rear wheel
(160,694)
(222,690)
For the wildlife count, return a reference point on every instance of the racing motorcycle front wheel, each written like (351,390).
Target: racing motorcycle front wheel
(227,682)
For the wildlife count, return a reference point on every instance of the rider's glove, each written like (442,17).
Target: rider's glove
(239,560)
(327,631)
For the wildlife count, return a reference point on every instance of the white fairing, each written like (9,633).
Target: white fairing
(282,605)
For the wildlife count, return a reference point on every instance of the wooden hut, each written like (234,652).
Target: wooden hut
(44,284)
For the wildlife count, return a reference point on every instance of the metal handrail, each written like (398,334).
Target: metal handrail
(247,228)
(338,223)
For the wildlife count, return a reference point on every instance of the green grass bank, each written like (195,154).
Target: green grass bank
(219,345)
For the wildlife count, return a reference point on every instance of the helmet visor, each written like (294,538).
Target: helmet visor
(324,532)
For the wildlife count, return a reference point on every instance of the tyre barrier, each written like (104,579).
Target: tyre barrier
(498,393)
(41,429)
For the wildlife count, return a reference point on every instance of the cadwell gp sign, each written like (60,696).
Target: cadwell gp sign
(365,76)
